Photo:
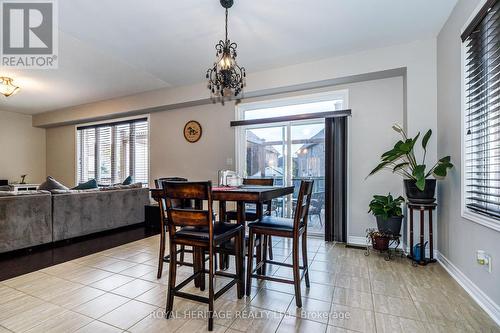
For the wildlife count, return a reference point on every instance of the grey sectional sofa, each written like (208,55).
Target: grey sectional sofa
(79,213)
(25,220)
(42,217)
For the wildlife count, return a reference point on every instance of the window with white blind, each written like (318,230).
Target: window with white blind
(113,151)
(481,43)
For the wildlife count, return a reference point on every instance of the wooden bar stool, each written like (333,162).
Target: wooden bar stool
(196,227)
(289,228)
(253,213)
(163,227)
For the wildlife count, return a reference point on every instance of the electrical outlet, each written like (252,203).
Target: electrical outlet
(483,259)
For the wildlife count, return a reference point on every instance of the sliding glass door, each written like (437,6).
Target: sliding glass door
(289,152)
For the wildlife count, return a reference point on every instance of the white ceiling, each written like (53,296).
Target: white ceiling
(110,48)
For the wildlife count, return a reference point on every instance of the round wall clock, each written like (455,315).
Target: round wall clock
(192,131)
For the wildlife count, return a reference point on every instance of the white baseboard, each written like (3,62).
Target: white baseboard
(356,240)
(486,303)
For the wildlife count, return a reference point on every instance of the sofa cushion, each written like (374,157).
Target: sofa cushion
(5,188)
(21,193)
(51,184)
(89,185)
(121,187)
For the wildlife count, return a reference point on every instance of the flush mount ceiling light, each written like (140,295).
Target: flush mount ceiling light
(226,78)
(7,88)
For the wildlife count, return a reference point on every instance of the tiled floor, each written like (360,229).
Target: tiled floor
(116,290)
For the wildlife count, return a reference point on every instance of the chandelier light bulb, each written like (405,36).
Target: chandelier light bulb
(7,88)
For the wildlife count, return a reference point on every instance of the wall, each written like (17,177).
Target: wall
(61,154)
(22,148)
(376,105)
(459,238)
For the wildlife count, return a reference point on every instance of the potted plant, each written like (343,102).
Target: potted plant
(388,213)
(401,159)
(380,241)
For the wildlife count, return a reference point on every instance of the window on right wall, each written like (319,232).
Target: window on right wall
(481,116)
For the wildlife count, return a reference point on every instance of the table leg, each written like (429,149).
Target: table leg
(240,206)
(411,233)
(222,211)
(263,249)
(422,247)
(431,245)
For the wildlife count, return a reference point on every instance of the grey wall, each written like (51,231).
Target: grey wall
(459,238)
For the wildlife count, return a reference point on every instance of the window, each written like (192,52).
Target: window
(481,172)
(113,151)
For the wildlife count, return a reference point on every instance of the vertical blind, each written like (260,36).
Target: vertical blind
(482,112)
(113,151)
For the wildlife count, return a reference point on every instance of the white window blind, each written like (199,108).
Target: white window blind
(482,112)
(113,151)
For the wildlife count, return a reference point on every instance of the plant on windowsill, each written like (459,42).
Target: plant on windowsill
(401,159)
(380,240)
(387,210)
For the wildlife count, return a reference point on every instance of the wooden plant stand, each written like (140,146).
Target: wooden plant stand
(422,208)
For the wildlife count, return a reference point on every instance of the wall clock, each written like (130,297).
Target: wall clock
(192,131)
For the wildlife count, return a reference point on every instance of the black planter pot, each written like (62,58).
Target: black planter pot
(413,194)
(390,226)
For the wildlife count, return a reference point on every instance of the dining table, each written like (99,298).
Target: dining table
(242,195)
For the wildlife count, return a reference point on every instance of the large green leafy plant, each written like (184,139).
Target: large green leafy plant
(385,206)
(402,160)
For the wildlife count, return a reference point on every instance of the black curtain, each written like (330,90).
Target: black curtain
(336,179)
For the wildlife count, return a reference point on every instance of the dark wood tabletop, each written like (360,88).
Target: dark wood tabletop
(251,193)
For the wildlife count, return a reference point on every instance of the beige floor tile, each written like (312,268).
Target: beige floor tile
(353,298)
(99,327)
(352,318)
(128,314)
(87,275)
(352,282)
(18,305)
(134,288)
(101,305)
(257,321)
(112,282)
(444,313)
(156,323)
(388,288)
(317,291)
(299,325)
(141,257)
(333,329)
(354,270)
(393,324)
(119,266)
(323,266)
(139,270)
(476,319)
(4,330)
(427,295)
(7,294)
(395,306)
(322,278)
(25,279)
(272,300)
(65,322)
(31,316)
(156,296)
(311,309)
(198,326)
(74,298)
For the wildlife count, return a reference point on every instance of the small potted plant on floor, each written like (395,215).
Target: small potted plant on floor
(380,240)
(387,210)
(401,159)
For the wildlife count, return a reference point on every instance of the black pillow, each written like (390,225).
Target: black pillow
(52,184)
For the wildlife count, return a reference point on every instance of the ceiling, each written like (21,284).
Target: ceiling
(110,48)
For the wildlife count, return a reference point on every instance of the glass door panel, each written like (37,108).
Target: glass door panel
(308,162)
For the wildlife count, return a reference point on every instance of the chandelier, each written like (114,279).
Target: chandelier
(225,77)
(7,88)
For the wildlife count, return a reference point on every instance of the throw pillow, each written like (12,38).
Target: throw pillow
(52,184)
(89,185)
(129,180)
